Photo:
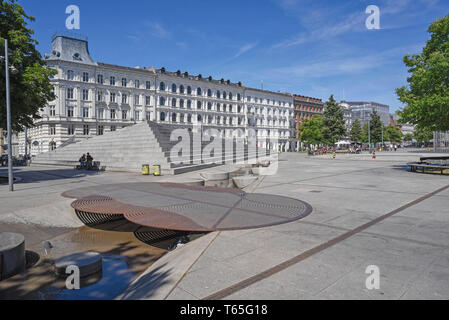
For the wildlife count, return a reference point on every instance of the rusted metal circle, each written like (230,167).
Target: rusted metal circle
(187,208)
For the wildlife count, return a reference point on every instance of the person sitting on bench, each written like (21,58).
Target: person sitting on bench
(82,161)
(89,161)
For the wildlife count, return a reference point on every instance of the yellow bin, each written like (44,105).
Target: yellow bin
(157,170)
(146,169)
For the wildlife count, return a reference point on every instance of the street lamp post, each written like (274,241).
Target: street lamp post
(8,120)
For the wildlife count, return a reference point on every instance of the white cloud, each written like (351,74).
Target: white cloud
(245,48)
(157,30)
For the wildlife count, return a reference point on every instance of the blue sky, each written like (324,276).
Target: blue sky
(309,47)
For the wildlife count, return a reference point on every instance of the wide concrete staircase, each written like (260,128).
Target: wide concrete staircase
(145,143)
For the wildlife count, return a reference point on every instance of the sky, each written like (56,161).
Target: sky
(309,47)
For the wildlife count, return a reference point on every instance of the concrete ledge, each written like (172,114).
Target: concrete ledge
(158,281)
(12,254)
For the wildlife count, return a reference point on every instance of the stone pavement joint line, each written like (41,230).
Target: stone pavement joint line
(280,267)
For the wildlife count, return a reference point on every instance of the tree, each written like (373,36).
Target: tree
(423,135)
(376,126)
(392,134)
(365,131)
(427,93)
(408,137)
(356,131)
(312,130)
(334,122)
(30,87)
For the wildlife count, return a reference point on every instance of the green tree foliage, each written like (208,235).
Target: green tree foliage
(312,130)
(30,87)
(376,126)
(427,93)
(356,131)
(334,122)
(365,133)
(408,137)
(392,134)
(423,135)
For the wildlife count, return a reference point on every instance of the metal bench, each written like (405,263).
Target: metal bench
(422,167)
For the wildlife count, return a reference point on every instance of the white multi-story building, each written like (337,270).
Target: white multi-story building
(93,98)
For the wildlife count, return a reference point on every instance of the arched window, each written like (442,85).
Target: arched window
(224,94)
(189,104)
(218,94)
(218,107)
(230,108)
(162,86)
(70,75)
(181,89)
(209,119)
(173,102)
(162,116)
(209,106)
(200,118)
(189,118)
(209,93)
(199,92)
(173,88)
(199,105)
(230,95)
(181,103)
(173,117)
(239,97)
(162,101)
(189,90)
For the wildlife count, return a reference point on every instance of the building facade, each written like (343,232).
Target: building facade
(305,108)
(94,98)
(363,110)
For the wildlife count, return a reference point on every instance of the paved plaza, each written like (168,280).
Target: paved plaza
(365,212)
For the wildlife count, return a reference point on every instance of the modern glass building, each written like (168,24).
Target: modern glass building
(362,110)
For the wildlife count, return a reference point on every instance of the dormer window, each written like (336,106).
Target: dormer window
(77,57)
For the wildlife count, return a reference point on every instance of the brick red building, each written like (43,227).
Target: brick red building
(306,108)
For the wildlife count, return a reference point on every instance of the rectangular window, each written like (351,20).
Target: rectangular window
(70,93)
(86,130)
(52,129)
(100,130)
(136,99)
(100,96)
(113,114)
(52,111)
(137,115)
(124,98)
(113,128)
(124,82)
(112,96)
(70,75)
(101,113)
(71,130)
(148,85)
(112,81)
(100,79)
(69,112)
(137,84)
(147,100)
(147,116)
(85,77)
(124,114)
(85,94)
(85,112)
